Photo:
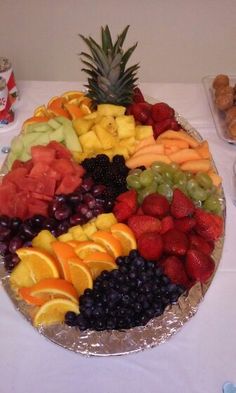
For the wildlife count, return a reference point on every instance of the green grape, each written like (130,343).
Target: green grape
(146,177)
(159,166)
(167,179)
(191,184)
(180,177)
(204,180)
(158,177)
(135,172)
(174,166)
(212,204)
(181,187)
(166,190)
(133,182)
(143,193)
(198,193)
(189,175)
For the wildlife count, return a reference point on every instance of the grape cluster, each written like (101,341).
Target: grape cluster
(110,173)
(77,208)
(125,297)
(163,178)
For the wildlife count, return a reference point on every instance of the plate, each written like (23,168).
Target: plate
(218,116)
(107,343)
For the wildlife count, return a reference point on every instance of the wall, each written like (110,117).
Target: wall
(178,40)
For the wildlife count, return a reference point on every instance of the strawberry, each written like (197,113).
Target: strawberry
(175,242)
(138,95)
(173,268)
(142,223)
(140,212)
(162,111)
(141,111)
(122,211)
(167,223)
(199,266)
(155,205)
(150,245)
(184,224)
(130,198)
(208,225)
(198,243)
(181,206)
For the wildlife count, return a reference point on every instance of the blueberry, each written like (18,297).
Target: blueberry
(71,318)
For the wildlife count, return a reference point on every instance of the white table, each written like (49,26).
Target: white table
(198,359)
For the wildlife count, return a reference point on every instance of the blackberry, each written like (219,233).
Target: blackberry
(102,160)
(118,160)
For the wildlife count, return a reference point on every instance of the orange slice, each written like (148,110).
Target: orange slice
(85,248)
(80,274)
(111,243)
(73,243)
(126,236)
(63,252)
(85,109)
(40,111)
(74,111)
(48,289)
(56,102)
(54,311)
(34,266)
(34,119)
(99,261)
(70,95)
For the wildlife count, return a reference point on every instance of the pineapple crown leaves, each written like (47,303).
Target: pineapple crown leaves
(109,79)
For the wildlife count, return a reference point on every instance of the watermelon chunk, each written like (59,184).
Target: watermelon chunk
(61,150)
(36,206)
(68,184)
(15,176)
(63,166)
(42,154)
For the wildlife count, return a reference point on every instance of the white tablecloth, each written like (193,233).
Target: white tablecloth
(198,359)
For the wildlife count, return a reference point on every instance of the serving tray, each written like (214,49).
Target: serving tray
(114,342)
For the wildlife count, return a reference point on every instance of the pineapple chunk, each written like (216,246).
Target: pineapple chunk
(78,233)
(129,143)
(125,126)
(82,125)
(111,110)
(90,142)
(44,240)
(109,153)
(142,132)
(109,123)
(91,116)
(105,221)
(65,237)
(89,229)
(107,140)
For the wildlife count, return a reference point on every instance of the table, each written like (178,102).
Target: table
(198,359)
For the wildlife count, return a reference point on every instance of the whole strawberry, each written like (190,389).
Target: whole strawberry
(197,242)
(162,111)
(199,266)
(150,245)
(126,204)
(173,268)
(155,205)
(175,242)
(167,223)
(140,224)
(138,95)
(184,224)
(160,126)
(208,225)
(141,111)
(181,206)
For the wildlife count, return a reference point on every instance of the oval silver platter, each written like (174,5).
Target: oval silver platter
(114,342)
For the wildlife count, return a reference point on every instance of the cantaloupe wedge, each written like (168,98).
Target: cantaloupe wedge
(203,150)
(151,149)
(146,160)
(179,135)
(145,142)
(196,166)
(181,144)
(184,155)
(216,179)
(171,149)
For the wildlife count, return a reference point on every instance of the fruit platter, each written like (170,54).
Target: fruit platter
(112,213)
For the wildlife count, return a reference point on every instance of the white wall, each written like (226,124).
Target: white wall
(179,40)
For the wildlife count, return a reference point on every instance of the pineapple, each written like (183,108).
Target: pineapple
(107,140)
(90,142)
(109,123)
(109,80)
(125,126)
(82,125)
(111,110)
(142,132)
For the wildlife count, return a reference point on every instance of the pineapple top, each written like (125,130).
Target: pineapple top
(109,80)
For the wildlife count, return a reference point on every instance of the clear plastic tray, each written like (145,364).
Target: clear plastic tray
(218,116)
